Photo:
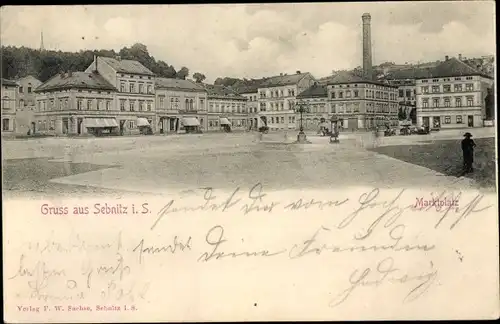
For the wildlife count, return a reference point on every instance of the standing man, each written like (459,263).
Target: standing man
(468,152)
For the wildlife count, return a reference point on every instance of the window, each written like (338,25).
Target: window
(447,119)
(425,103)
(468,78)
(79,104)
(21,103)
(457,87)
(281,93)
(89,104)
(447,102)
(99,104)
(333,95)
(29,88)
(141,105)
(459,119)
(435,102)
(122,87)
(435,89)
(458,79)
(66,104)
(108,104)
(348,94)
(122,105)
(21,90)
(131,105)
(282,120)
(5,124)
(469,86)
(447,88)
(61,104)
(149,105)
(202,104)
(458,102)
(341,94)
(150,89)
(401,93)
(132,87)
(141,88)
(425,89)
(161,100)
(470,101)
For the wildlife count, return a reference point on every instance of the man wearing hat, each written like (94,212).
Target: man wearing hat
(468,151)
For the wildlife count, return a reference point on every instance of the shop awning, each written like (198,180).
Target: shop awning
(100,122)
(190,121)
(142,122)
(224,121)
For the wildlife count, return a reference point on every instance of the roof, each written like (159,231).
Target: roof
(408,73)
(349,77)
(178,84)
(453,68)
(219,91)
(315,91)
(126,66)
(7,82)
(248,86)
(29,78)
(79,80)
(283,80)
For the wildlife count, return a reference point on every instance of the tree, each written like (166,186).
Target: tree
(183,73)
(199,77)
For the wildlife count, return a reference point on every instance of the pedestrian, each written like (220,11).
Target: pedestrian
(468,152)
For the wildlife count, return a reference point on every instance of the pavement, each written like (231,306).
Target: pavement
(161,164)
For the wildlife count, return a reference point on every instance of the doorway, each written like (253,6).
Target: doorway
(122,126)
(425,121)
(79,126)
(470,121)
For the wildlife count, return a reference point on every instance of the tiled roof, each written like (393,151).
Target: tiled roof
(283,80)
(408,73)
(349,77)
(178,84)
(8,82)
(79,80)
(315,91)
(219,91)
(126,66)
(451,68)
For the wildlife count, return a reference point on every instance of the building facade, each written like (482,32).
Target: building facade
(453,96)
(252,104)
(10,92)
(27,96)
(75,103)
(319,109)
(277,98)
(135,92)
(362,104)
(226,108)
(180,103)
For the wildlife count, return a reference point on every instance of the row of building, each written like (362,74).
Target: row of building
(121,97)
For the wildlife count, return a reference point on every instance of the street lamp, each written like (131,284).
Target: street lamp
(301,109)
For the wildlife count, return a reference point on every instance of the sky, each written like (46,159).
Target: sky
(258,40)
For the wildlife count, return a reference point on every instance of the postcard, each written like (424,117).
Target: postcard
(249,162)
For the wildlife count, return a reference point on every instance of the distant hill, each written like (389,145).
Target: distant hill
(18,62)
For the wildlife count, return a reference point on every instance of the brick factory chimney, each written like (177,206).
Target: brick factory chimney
(460,57)
(298,72)
(367,46)
(95,60)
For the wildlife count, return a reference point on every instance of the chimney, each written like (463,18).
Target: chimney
(460,57)
(446,58)
(95,60)
(367,47)
(281,74)
(298,72)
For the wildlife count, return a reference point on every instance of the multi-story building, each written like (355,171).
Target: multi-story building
(251,93)
(361,103)
(277,97)
(135,94)
(180,103)
(27,85)
(226,108)
(318,107)
(10,92)
(76,103)
(452,96)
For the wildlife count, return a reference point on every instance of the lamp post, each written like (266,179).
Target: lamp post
(301,109)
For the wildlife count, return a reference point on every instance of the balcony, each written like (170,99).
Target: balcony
(184,111)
